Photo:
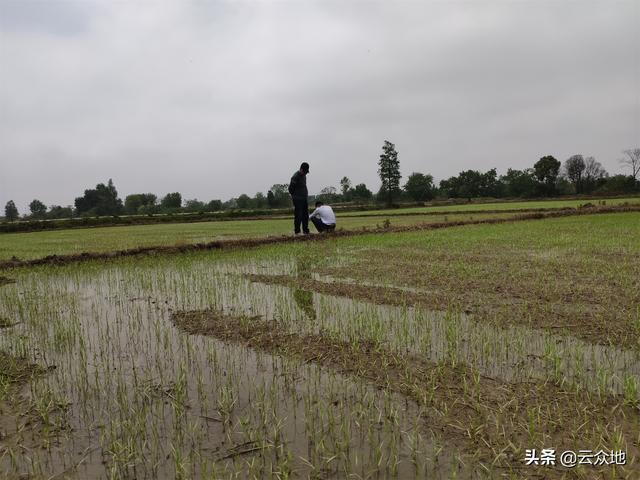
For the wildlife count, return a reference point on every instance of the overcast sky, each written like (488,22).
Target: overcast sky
(215,99)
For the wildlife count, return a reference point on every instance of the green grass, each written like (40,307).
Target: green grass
(103,239)
(584,233)
(521,205)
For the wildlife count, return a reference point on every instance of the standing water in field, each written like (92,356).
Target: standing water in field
(132,397)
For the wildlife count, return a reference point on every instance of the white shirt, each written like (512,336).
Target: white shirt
(325,212)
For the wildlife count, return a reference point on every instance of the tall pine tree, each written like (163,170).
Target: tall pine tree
(389,171)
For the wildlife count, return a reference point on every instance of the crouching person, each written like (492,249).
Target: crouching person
(323,218)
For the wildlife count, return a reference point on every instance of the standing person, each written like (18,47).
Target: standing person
(323,218)
(299,193)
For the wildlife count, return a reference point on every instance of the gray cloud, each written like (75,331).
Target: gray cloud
(45,16)
(216,99)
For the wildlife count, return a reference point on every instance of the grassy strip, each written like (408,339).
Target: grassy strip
(392,214)
(256,242)
(519,205)
(6,281)
(491,420)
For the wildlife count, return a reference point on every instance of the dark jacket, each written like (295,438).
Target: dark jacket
(298,186)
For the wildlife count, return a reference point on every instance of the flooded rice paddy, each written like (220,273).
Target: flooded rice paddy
(127,394)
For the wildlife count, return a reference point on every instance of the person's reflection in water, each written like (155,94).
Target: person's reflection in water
(304,298)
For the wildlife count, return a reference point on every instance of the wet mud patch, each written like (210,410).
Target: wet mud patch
(491,420)
(25,424)
(15,371)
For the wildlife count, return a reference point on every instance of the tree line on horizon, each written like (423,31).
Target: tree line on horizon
(548,177)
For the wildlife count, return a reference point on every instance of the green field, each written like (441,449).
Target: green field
(60,242)
(517,205)
(32,245)
(424,354)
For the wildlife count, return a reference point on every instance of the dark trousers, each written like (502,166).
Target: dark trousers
(300,215)
(322,227)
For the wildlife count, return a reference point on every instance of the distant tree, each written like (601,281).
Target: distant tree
(564,186)
(139,202)
(110,203)
(244,201)
(56,211)
(278,196)
(232,203)
(214,206)
(148,209)
(271,199)
(593,169)
(328,195)
(103,200)
(574,170)
(619,184)
(491,184)
(171,201)
(194,205)
(259,200)
(546,171)
(472,183)
(466,183)
(149,201)
(594,174)
(345,186)
(361,193)
(88,202)
(38,209)
(632,161)
(419,187)
(11,211)
(520,183)
(389,171)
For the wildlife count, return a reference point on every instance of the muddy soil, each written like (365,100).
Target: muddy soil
(23,425)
